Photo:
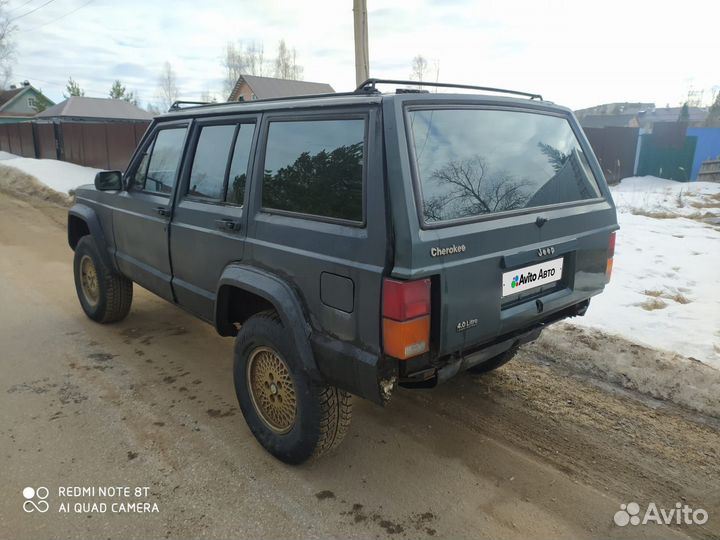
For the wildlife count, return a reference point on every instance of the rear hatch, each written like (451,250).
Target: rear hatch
(509,216)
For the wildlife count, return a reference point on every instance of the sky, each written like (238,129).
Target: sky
(575,53)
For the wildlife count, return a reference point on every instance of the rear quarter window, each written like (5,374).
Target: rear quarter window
(474,162)
(315,168)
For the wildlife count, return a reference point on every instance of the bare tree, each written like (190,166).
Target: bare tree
(167,87)
(286,66)
(242,59)
(419,68)
(470,189)
(7,45)
(208,97)
(423,70)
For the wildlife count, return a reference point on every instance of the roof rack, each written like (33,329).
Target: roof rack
(177,105)
(369,86)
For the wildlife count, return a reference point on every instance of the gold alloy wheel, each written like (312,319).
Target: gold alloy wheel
(89,280)
(271,389)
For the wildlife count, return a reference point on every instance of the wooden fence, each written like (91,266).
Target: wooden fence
(107,145)
(615,148)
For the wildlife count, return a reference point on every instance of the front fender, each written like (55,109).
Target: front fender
(89,216)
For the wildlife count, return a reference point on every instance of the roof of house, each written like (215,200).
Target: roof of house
(7,95)
(95,108)
(269,87)
(607,120)
(672,114)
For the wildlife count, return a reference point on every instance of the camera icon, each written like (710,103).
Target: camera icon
(35,499)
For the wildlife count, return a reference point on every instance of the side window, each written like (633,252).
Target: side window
(158,169)
(315,167)
(207,177)
(239,165)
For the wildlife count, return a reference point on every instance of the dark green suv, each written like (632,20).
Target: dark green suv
(352,242)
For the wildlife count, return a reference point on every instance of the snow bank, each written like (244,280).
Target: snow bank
(660,374)
(27,187)
(58,175)
(665,287)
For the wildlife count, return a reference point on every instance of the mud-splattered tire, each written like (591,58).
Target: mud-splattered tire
(495,362)
(293,417)
(104,295)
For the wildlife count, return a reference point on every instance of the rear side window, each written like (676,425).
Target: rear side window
(158,169)
(210,177)
(237,177)
(207,178)
(473,162)
(315,168)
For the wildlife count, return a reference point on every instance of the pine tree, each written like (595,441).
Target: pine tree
(684,113)
(118,91)
(73,89)
(41,103)
(713,118)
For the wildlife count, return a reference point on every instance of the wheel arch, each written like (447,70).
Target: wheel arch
(254,290)
(83,221)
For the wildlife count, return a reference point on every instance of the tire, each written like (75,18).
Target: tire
(267,383)
(106,297)
(495,362)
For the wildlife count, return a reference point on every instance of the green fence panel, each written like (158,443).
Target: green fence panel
(673,163)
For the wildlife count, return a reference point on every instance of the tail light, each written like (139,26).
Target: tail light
(406,317)
(611,254)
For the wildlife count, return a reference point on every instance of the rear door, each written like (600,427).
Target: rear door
(141,214)
(209,222)
(512,216)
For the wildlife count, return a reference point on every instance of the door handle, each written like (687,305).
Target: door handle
(227,224)
(162,210)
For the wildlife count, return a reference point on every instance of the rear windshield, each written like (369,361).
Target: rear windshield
(473,162)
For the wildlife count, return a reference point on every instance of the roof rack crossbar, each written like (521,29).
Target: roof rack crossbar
(177,105)
(370,84)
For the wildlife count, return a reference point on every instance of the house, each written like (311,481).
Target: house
(642,115)
(251,87)
(609,120)
(615,108)
(696,116)
(89,109)
(20,104)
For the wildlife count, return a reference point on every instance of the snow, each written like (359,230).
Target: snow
(665,286)
(58,175)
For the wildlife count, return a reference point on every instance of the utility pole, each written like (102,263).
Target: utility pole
(362,64)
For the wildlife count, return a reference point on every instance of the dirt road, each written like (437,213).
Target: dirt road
(528,451)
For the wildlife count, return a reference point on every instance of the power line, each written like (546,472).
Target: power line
(58,18)
(31,11)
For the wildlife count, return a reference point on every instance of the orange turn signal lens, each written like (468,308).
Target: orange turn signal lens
(406,339)
(608,269)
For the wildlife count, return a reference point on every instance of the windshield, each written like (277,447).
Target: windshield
(472,162)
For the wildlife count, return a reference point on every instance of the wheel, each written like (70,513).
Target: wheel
(104,295)
(293,417)
(495,362)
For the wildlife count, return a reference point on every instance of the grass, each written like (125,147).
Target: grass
(651,304)
(656,295)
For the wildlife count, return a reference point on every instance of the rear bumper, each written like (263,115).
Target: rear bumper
(450,365)
(373,376)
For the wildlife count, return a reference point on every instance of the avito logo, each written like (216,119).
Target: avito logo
(523,279)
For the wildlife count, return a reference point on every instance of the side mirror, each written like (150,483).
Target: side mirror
(108,181)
